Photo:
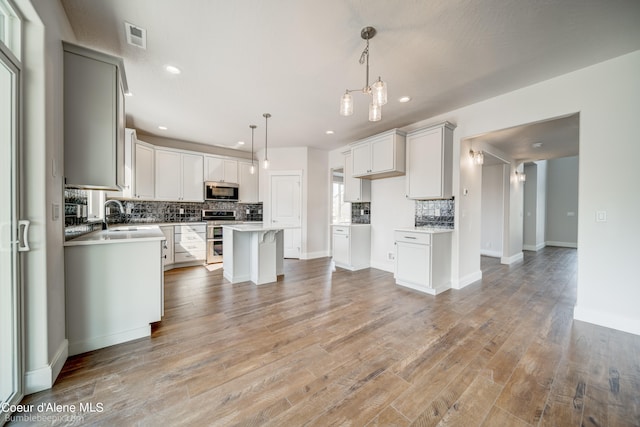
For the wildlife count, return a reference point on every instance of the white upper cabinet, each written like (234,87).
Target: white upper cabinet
(178,176)
(144,172)
(247,183)
(355,189)
(219,169)
(94,134)
(380,156)
(429,162)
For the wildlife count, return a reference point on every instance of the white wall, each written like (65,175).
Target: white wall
(562,202)
(535,190)
(492,210)
(606,95)
(541,214)
(44,296)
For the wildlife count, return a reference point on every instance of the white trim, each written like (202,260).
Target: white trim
(43,378)
(314,255)
(563,244)
(493,254)
(534,248)
(466,280)
(424,290)
(512,259)
(108,340)
(608,320)
(384,266)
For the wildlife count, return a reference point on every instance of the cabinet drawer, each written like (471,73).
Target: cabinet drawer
(343,230)
(196,228)
(412,237)
(189,256)
(190,237)
(189,247)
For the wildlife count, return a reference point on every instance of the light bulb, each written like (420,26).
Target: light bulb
(346,105)
(379,92)
(252,170)
(265,164)
(375,112)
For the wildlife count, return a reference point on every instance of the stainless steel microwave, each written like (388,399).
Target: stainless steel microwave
(220,191)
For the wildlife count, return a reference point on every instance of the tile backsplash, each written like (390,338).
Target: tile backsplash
(435,213)
(155,211)
(361,213)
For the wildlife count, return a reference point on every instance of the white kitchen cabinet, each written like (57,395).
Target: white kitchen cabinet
(355,189)
(168,247)
(351,246)
(219,169)
(178,176)
(380,156)
(423,260)
(430,163)
(247,183)
(190,243)
(94,116)
(144,172)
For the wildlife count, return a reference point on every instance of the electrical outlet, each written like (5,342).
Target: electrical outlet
(390,256)
(437,212)
(181,211)
(247,211)
(361,211)
(128,210)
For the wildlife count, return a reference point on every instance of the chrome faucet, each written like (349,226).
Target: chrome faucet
(120,206)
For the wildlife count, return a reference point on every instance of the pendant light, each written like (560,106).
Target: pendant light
(377,91)
(266,158)
(253,168)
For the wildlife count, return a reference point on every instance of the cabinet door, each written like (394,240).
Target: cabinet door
(144,172)
(424,165)
(341,249)
(218,169)
(361,159)
(230,169)
(168,175)
(413,263)
(192,178)
(248,183)
(383,154)
(355,189)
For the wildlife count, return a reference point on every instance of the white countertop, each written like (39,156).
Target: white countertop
(122,234)
(253,227)
(350,224)
(426,230)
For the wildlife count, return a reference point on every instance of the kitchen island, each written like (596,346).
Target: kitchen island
(114,286)
(252,252)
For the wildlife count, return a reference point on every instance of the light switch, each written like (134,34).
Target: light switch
(601,216)
(55,211)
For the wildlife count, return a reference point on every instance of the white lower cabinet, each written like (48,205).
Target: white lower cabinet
(352,246)
(168,248)
(190,243)
(423,260)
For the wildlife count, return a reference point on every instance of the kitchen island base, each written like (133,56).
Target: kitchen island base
(252,253)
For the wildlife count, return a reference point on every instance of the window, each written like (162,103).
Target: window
(10,29)
(341,211)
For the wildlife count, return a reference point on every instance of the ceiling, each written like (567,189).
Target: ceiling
(295,58)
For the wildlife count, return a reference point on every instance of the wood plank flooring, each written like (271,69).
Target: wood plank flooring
(326,347)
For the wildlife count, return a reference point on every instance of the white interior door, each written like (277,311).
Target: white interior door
(286,207)
(11,235)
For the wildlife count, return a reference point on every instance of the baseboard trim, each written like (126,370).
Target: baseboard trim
(466,280)
(78,347)
(314,255)
(384,266)
(512,259)
(43,378)
(563,244)
(607,320)
(492,254)
(534,248)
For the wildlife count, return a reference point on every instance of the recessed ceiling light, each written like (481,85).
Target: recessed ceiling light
(404,99)
(162,127)
(173,70)
(329,132)
(537,145)
(128,94)
(240,142)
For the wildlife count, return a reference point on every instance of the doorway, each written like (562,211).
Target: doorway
(286,209)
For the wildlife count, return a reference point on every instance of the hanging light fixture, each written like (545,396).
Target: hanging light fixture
(266,159)
(253,168)
(378,90)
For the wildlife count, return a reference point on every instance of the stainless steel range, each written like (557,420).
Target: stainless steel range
(215,221)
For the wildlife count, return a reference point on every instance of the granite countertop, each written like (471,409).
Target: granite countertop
(122,234)
(426,230)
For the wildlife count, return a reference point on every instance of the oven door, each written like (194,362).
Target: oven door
(214,251)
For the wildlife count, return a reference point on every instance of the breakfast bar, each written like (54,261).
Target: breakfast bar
(252,252)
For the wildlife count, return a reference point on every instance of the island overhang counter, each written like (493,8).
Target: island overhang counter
(252,252)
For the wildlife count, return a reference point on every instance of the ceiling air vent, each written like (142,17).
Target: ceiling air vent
(136,36)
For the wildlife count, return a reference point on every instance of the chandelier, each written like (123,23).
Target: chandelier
(377,91)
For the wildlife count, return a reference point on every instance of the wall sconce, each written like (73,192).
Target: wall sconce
(521,176)
(477,156)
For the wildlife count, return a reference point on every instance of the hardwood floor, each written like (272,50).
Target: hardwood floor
(323,347)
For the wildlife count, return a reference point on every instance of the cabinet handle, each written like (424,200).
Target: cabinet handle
(410,237)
